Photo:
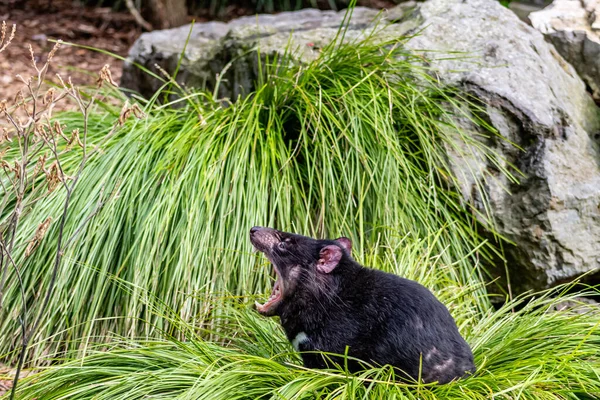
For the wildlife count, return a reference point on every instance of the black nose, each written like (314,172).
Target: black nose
(254,229)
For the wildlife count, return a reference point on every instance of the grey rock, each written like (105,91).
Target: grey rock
(230,50)
(164,48)
(573,26)
(522,10)
(578,305)
(536,100)
(533,98)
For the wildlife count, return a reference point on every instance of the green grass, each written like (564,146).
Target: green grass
(152,299)
(533,353)
(351,144)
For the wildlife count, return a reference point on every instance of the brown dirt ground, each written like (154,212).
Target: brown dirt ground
(6,377)
(39,21)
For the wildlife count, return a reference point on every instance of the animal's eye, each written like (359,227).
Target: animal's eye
(281,245)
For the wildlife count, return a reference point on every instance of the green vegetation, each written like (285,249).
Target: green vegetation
(153,295)
(352,144)
(535,353)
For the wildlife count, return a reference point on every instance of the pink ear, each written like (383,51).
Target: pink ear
(330,258)
(345,243)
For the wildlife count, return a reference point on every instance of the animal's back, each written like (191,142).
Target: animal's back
(408,327)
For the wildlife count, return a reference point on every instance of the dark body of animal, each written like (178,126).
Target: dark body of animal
(328,303)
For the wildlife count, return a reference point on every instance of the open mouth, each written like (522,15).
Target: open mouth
(263,239)
(268,308)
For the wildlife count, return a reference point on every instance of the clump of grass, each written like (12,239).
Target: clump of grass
(534,353)
(353,143)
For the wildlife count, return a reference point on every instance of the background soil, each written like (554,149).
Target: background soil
(41,21)
(5,385)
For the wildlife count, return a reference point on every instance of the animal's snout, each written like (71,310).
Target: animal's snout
(263,238)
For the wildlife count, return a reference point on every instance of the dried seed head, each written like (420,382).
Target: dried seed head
(17,169)
(137,111)
(3,106)
(49,96)
(4,44)
(106,76)
(58,130)
(75,138)
(39,166)
(52,178)
(38,236)
(163,72)
(53,51)
(4,136)
(32,56)
(19,98)
(41,130)
(125,112)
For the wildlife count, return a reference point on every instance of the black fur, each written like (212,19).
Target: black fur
(382,318)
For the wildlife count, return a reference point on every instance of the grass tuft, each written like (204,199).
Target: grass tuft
(354,143)
(534,353)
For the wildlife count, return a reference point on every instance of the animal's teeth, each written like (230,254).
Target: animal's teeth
(258,305)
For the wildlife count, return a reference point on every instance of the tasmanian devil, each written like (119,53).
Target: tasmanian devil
(328,303)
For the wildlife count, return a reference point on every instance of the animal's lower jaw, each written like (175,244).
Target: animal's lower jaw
(268,308)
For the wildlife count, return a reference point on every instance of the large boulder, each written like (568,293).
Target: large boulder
(226,52)
(533,98)
(573,26)
(536,100)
